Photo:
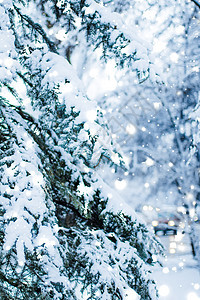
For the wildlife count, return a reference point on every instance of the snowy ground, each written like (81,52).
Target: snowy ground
(180,278)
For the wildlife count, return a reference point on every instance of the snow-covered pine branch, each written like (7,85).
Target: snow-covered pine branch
(53,140)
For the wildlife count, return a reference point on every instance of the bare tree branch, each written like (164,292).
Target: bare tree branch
(196,3)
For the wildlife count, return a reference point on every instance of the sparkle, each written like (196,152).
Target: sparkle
(189,196)
(120,184)
(181,264)
(156,105)
(164,290)
(145,208)
(131,129)
(196,286)
(195,69)
(174,57)
(61,35)
(172,251)
(165,270)
(155,223)
(149,162)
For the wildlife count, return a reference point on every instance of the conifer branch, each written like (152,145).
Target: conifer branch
(37,28)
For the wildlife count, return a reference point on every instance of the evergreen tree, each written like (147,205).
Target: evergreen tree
(64,233)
